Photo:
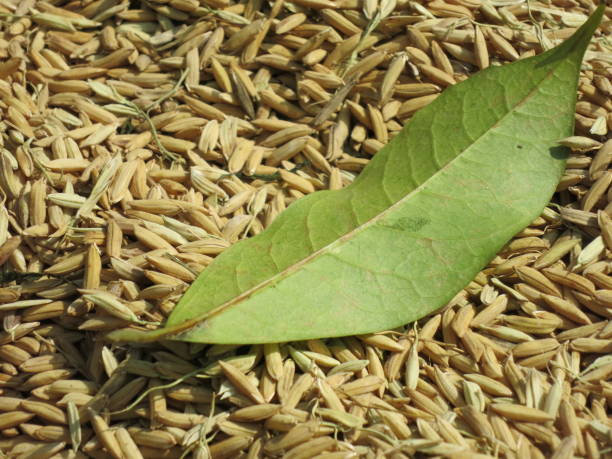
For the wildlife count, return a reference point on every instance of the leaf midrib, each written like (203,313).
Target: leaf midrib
(188,324)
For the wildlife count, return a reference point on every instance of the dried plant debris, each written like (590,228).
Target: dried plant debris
(141,139)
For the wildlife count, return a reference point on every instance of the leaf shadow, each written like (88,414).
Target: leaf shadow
(559,152)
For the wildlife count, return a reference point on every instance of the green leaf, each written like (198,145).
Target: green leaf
(429,212)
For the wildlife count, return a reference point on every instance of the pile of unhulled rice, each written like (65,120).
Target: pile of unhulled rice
(141,139)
